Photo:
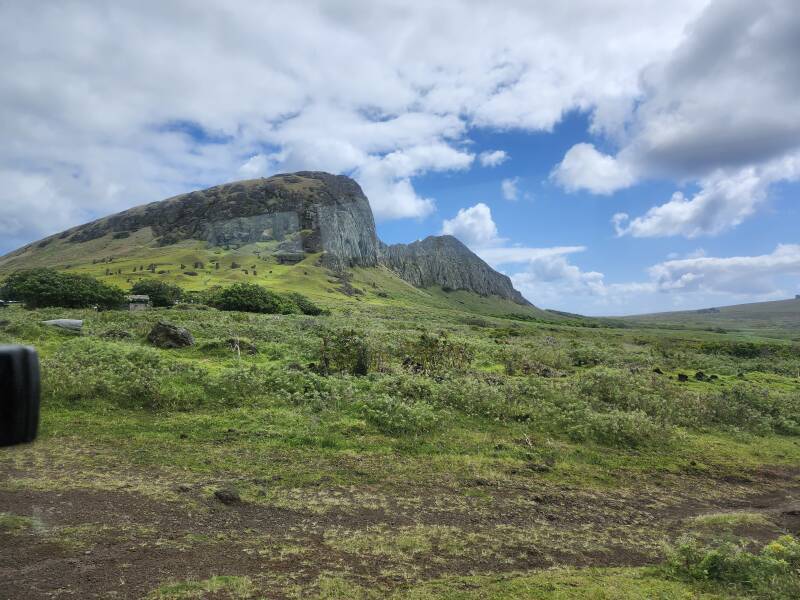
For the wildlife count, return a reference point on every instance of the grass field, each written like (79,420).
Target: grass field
(488,452)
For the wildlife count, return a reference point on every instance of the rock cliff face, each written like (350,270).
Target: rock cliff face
(299,213)
(304,212)
(444,261)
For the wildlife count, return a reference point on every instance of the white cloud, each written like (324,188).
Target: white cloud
(734,275)
(507,255)
(723,202)
(474,226)
(549,279)
(122,105)
(720,110)
(509,188)
(492,158)
(583,167)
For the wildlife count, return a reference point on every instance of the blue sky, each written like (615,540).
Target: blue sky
(612,158)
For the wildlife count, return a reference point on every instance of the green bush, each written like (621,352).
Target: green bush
(160,292)
(619,428)
(47,287)
(344,351)
(437,355)
(306,306)
(774,572)
(248,297)
(395,416)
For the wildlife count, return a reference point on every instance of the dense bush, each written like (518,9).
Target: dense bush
(160,292)
(395,416)
(248,297)
(344,351)
(774,572)
(306,306)
(430,354)
(47,287)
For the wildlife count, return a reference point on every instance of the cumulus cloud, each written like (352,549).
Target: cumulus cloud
(508,187)
(115,105)
(724,201)
(583,167)
(474,226)
(733,275)
(720,110)
(493,158)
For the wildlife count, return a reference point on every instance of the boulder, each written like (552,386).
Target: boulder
(70,324)
(167,335)
(227,495)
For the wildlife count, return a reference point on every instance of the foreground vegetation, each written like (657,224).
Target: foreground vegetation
(417,450)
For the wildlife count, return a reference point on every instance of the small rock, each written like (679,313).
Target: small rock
(658,371)
(166,335)
(184,436)
(184,487)
(539,467)
(227,496)
(69,324)
(683,377)
(700,376)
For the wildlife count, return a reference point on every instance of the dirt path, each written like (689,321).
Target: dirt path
(89,543)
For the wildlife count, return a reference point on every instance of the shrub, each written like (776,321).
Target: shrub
(619,428)
(160,292)
(344,351)
(306,306)
(47,287)
(394,416)
(774,572)
(437,354)
(248,297)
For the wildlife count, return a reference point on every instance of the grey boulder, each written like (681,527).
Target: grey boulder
(167,335)
(70,324)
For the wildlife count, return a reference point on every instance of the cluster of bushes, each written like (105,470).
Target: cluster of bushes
(161,294)
(249,297)
(46,287)
(773,572)
(39,288)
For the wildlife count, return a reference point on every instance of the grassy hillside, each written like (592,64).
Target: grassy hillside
(494,458)
(192,265)
(779,318)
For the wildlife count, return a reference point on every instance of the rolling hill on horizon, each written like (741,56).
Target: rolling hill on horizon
(777,317)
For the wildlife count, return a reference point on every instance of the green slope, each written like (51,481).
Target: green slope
(192,265)
(780,318)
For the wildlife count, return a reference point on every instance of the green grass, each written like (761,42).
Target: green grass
(436,459)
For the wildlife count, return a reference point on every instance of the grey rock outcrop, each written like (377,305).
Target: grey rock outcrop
(305,212)
(296,214)
(445,261)
(167,335)
(69,324)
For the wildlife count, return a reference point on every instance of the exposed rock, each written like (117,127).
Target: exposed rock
(308,212)
(227,495)
(70,324)
(683,377)
(446,262)
(166,335)
(302,213)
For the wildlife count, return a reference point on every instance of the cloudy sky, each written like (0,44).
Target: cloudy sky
(611,157)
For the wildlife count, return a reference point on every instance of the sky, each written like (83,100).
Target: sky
(612,157)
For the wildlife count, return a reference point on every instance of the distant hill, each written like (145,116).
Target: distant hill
(308,231)
(778,318)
